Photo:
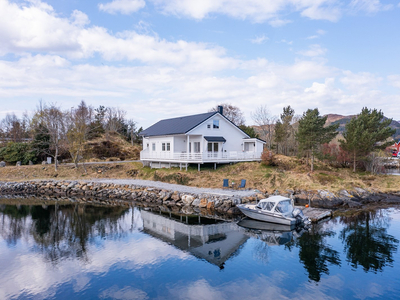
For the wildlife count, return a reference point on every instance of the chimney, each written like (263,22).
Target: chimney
(221,109)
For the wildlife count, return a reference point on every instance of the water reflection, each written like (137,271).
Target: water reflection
(366,241)
(111,252)
(60,231)
(215,242)
(315,253)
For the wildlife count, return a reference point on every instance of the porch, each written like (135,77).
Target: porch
(202,157)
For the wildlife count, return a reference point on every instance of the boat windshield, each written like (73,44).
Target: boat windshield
(284,207)
(266,205)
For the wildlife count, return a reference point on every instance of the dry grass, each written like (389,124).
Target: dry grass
(290,173)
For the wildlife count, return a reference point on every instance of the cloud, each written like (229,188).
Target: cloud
(394,80)
(259,39)
(254,10)
(368,6)
(35,27)
(313,50)
(122,6)
(318,34)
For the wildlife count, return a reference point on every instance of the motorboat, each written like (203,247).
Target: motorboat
(275,209)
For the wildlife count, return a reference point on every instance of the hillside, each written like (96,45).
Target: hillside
(343,120)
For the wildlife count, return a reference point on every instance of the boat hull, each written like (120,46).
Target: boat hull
(264,216)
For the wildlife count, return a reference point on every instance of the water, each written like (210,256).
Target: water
(85,252)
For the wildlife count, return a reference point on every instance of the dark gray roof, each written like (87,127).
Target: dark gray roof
(179,125)
(215,139)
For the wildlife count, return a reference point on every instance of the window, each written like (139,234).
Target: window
(168,147)
(216,124)
(208,126)
(153,146)
(196,147)
(163,147)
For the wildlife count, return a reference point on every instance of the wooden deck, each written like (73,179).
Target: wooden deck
(315,214)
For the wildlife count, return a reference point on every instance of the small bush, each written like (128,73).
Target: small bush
(268,158)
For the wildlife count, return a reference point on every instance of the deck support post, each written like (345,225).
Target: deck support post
(215,166)
(180,166)
(151,165)
(186,166)
(198,167)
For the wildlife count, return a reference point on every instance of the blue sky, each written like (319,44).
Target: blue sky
(164,58)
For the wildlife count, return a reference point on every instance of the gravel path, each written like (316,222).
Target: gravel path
(177,187)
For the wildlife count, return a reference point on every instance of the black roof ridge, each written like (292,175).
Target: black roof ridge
(188,116)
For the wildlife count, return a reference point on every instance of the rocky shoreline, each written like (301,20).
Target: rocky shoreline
(122,194)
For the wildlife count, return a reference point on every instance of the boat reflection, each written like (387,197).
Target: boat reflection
(271,233)
(213,240)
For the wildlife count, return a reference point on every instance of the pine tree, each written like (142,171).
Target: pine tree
(312,133)
(283,129)
(366,133)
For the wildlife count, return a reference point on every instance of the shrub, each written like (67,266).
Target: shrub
(267,158)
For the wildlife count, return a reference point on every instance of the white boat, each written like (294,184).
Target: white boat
(275,209)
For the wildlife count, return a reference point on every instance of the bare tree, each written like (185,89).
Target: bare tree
(114,119)
(51,120)
(265,122)
(13,128)
(231,112)
(78,129)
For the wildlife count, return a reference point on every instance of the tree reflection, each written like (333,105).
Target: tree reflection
(315,253)
(367,242)
(60,231)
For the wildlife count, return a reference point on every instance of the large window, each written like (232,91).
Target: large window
(216,124)
(166,147)
(153,146)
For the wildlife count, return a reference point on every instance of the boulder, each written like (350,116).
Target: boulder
(175,196)
(187,199)
(18,164)
(196,202)
(203,203)
(30,163)
(2,164)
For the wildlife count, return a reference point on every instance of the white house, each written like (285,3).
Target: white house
(197,139)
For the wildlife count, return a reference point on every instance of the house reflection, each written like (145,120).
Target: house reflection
(213,240)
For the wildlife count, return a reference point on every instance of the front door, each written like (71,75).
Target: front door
(212,149)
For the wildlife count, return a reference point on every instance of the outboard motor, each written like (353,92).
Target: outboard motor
(298,214)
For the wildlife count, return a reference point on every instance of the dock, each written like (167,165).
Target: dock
(316,214)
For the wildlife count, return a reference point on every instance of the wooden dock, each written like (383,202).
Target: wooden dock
(315,214)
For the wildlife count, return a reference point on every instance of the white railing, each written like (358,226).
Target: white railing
(200,157)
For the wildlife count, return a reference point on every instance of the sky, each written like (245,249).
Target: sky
(160,59)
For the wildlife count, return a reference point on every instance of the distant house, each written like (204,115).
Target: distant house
(197,139)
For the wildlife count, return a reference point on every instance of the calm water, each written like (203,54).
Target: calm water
(84,252)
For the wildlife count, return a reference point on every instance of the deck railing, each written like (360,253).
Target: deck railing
(199,157)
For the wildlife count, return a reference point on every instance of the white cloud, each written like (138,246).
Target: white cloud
(369,6)
(278,22)
(318,34)
(394,80)
(259,39)
(313,50)
(35,27)
(122,6)
(254,10)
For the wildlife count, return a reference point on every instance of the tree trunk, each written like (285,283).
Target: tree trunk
(55,158)
(312,160)
(354,162)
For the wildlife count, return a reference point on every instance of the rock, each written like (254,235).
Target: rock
(210,205)
(18,164)
(187,199)
(196,202)
(187,210)
(203,203)
(175,196)
(44,162)
(236,201)
(2,164)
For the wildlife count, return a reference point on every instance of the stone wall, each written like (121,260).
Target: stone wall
(114,194)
